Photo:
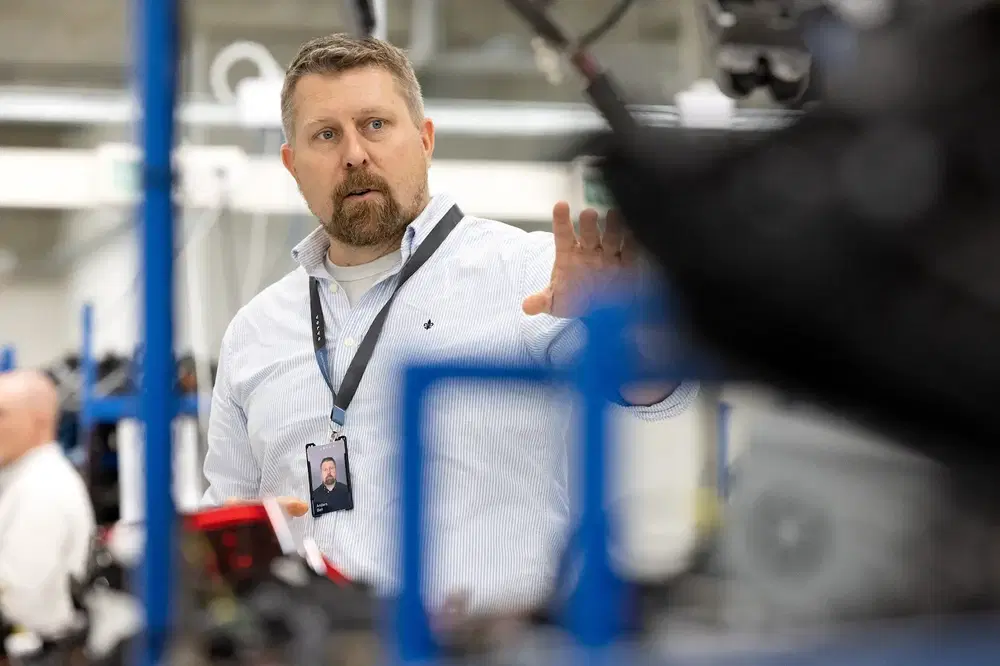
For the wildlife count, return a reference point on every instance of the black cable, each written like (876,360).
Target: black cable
(612,19)
(601,88)
(537,17)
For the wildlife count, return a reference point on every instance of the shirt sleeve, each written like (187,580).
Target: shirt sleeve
(555,341)
(35,571)
(230,467)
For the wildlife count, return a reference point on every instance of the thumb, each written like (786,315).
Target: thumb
(294,506)
(538,303)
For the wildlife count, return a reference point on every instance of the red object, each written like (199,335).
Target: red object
(243,515)
(334,574)
(225,517)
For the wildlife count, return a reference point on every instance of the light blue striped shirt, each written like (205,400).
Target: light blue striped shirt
(497,460)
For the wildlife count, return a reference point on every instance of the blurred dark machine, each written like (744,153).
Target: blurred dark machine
(850,256)
(847,259)
(257,595)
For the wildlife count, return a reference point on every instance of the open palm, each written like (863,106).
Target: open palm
(585,262)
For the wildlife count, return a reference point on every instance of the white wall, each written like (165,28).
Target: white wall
(222,251)
(33,317)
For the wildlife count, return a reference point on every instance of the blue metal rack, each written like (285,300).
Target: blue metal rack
(595,611)
(98,409)
(8,359)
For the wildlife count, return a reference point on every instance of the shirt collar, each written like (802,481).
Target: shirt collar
(311,251)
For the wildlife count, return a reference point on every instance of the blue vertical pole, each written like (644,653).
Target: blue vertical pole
(415,643)
(157,50)
(597,605)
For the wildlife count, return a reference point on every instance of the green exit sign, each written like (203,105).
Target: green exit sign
(595,192)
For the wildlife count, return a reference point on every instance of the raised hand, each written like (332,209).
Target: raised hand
(584,264)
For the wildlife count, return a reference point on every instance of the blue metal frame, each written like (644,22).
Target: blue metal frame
(596,609)
(8,358)
(157,47)
(100,409)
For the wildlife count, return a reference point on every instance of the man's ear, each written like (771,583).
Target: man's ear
(427,138)
(288,158)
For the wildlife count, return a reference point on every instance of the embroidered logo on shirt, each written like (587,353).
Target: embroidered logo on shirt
(428,324)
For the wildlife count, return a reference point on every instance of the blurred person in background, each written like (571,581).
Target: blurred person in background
(46,518)
(359,147)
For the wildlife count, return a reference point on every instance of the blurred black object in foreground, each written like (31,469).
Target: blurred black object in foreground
(853,257)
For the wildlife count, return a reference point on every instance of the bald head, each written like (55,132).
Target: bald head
(29,410)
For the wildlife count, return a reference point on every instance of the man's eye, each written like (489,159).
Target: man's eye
(377,124)
(326,135)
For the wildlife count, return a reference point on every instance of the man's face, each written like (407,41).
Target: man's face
(329,471)
(359,160)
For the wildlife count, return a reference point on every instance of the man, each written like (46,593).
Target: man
(359,147)
(46,518)
(329,494)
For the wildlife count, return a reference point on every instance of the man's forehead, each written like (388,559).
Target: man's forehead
(24,386)
(8,386)
(348,92)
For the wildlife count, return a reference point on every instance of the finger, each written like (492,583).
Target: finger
(562,228)
(614,232)
(294,506)
(538,303)
(590,230)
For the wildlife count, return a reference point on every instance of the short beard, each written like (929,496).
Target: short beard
(377,222)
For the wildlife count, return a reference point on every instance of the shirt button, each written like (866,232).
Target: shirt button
(334,287)
(349,342)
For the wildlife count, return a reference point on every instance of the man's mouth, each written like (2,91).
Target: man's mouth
(360,194)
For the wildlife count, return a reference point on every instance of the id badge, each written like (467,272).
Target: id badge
(329,471)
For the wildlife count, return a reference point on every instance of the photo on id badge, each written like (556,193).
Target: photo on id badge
(329,477)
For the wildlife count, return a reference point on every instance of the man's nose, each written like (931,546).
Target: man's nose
(355,154)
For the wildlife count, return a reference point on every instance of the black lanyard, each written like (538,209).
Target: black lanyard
(356,370)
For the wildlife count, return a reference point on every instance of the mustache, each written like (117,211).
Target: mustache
(361,180)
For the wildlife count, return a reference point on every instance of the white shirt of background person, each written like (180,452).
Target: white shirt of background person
(46,518)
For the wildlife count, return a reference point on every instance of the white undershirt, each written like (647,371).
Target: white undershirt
(357,280)
(46,528)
